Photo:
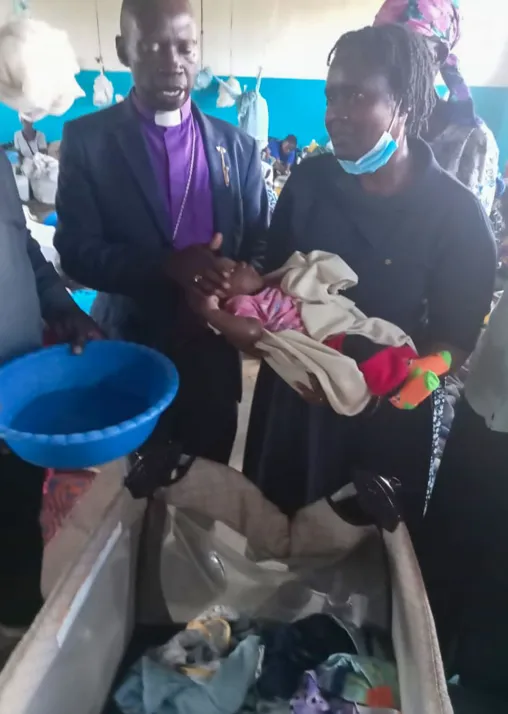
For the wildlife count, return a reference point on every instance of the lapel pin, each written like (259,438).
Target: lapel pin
(225,169)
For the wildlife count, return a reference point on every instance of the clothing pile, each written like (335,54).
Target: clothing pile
(227,663)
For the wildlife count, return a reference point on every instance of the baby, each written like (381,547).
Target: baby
(256,303)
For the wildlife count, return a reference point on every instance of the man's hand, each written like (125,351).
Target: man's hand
(199,267)
(75,327)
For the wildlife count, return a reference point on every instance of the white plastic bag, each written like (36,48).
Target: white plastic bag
(37,69)
(229,92)
(103,91)
(204,79)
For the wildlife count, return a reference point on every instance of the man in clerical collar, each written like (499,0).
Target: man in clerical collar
(155,200)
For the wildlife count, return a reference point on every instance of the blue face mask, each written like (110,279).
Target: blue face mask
(374,159)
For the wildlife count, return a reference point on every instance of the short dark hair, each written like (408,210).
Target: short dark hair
(405,58)
(292,138)
(129,7)
(134,7)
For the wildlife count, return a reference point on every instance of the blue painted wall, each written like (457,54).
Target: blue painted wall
(296,106)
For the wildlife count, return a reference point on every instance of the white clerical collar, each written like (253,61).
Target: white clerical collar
(168,119)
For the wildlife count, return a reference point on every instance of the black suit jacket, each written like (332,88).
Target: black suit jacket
(113,231)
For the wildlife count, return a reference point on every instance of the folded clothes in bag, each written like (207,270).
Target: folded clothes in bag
(224,665)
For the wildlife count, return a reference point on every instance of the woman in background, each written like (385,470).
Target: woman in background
(462,143)
(283,154)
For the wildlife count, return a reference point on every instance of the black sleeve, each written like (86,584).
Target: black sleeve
(85,253)
(280,238)
(256,212)
(462,283)
(53,296)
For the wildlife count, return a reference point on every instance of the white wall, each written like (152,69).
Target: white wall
(291,38)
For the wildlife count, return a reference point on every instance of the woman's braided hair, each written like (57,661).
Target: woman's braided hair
(406,60)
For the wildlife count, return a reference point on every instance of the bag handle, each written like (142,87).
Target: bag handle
(157,467)
(371,500)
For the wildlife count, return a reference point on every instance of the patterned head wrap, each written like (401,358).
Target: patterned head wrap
(441,20)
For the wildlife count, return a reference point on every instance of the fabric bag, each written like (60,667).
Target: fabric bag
(208,537)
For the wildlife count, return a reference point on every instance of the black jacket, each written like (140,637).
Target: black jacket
(113,232)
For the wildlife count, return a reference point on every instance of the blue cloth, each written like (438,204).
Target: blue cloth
(113,234)
(275,146)
(153,689)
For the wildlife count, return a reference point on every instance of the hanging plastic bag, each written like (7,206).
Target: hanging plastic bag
(229,92)
(37,69)
(103,91)
(204,79)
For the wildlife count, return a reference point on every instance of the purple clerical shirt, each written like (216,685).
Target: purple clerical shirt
(170,150)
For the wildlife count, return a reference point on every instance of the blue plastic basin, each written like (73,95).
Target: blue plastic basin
(63,411)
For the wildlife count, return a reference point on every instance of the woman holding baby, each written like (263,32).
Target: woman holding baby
(424,255)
